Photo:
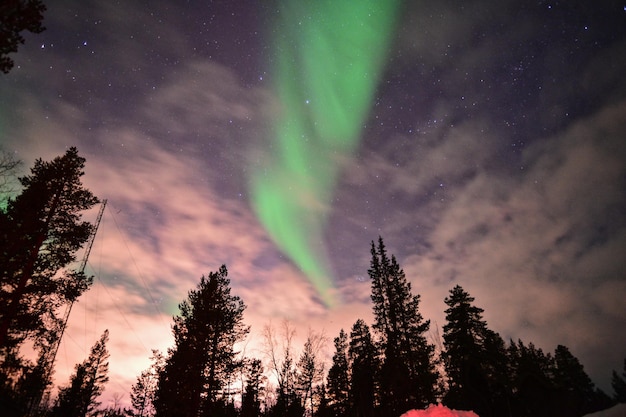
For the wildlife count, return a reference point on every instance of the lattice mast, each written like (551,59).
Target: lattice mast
(81,270)
(55,348)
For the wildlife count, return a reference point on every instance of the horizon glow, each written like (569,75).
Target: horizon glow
(329,56)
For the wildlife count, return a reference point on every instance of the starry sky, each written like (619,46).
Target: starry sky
(485,142)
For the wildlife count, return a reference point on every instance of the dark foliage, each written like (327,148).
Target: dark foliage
(364,366)
(144,390)
(618,383)
(251,402)
(474,358)
(86,384)
(40,232)
(338,381)
(310,370)
(9,167)
(547,385)
(407,372)
(15,17)
(576,392)
(196,369)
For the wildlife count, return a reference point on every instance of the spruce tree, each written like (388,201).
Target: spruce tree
(474,358)
(86,384)
(532,385)
(251,399)
(364,368)
(618,383)
(195,371)
(576,392)
(338,383)
(408,376)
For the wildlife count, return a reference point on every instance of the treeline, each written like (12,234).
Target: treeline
(381,369)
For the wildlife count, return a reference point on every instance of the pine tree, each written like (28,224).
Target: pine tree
(40,233)
(338,377)
(209,324)
(474,358)
(408,376)
(86,384)
(618,383)
(364,367)
(251,399)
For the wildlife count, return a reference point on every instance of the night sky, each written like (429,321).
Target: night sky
(485,141)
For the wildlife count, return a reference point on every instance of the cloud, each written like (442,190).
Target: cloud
(535,232)
(540,248)
(171,216)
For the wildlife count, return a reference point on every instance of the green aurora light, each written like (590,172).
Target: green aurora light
(329,56)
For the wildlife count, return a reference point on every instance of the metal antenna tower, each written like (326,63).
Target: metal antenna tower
(81,270)
(92,237)
(68,310)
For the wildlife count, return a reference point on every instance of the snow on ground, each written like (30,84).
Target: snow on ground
(618,411)
(440,411)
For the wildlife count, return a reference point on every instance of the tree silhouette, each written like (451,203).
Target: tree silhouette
(474,358)
(408,376)
(310,368)
(86,384)
(143,391)
(195,371)
(40,232)
(531,370)
(250,402)
(364,368)
(279,354)
(9,167)
(338,377)
(618,383)
(577,394)
(15,17)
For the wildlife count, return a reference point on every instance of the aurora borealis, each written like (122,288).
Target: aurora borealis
(484,141)
(329,59)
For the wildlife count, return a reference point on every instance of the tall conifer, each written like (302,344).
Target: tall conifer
(474,358)
(577,394)
(364,369)
(618,383)
(338,376)
(195,371)
(408,376)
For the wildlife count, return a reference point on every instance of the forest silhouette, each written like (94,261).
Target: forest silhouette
(384,368)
